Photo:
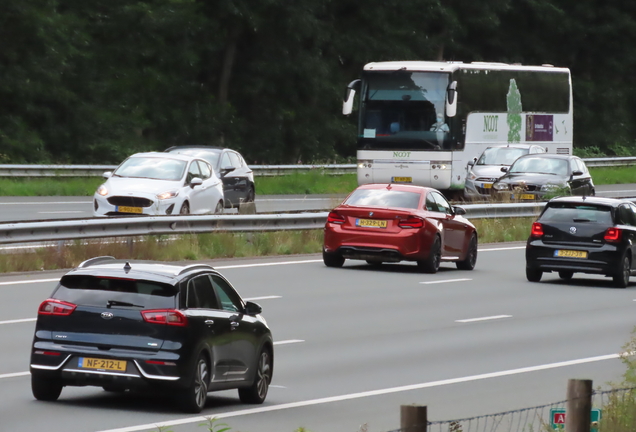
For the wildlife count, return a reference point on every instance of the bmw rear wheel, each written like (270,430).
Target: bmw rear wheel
(431,264)
(195,396)
(45,389)
(257,392)
(332,259)
(471,255)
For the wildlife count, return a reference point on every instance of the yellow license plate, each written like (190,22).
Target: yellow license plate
(402,179)
(487,185)
(526,196)
(570,253)
(370,223)
(102,364)
(124,209)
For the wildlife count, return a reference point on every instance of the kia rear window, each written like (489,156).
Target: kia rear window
(573,212)
(383,198)
(102,291)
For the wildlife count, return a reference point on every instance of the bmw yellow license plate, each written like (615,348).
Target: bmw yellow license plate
(101,364)
(570,253)
(402,179)
(124,209)
(371,223)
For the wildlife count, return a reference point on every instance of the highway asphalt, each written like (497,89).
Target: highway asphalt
(355,343)
(45,208)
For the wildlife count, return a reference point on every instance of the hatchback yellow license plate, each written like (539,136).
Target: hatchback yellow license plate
(526,196)
(402,179)
(570,253)
(124,209)
(487,185)
(371,223)
(101,364)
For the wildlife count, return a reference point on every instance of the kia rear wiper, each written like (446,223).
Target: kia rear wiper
(121,303)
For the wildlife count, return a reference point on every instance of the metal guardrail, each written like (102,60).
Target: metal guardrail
(74,229)
(259,170)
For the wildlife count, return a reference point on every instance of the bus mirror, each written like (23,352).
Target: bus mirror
(451,99)
(349,97)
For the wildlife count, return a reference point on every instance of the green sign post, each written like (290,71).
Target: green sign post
(557,419)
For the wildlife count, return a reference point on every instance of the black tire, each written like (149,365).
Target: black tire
(471,255)
(332,259)
(621,277)
(431,264)
(566,274)
(219,208)
(533,275)
(251,195)
(194,397)
(45,389)
(257,392)
(185,209)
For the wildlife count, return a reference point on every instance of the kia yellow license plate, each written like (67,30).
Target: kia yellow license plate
(124,209)
(371,223)
(570,253)
(402,179)
(526,196)
(102,364)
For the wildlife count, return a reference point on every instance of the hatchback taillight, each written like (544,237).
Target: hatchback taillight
(56,307)
(612,235)
(165,316)
(411,222)
(334,217)
(537,230)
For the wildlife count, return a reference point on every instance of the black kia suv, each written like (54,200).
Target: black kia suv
(182,330)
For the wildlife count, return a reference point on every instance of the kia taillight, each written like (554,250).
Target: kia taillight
(165,316)
(411,222)
(612,235)
(56,307)
(537,230)
(160,363)
(334,217)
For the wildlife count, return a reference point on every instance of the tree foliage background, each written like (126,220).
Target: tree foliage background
(92,81)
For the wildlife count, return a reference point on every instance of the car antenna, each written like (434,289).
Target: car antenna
(127,267)
(389,186)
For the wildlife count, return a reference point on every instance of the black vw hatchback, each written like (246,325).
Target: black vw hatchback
(124,325)
(585,235)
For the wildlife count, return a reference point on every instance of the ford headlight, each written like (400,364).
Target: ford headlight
(167,195)
(102,190)
(500,186)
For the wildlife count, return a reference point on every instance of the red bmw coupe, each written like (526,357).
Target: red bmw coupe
(396,222)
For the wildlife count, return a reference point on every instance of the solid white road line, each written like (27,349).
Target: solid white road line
(483,318)
(18,321)
(268,264)
(13,375)
(444,281)
(62,212)
(29,281)
(502,248)
(39,203)
(290,341)
(380,392)
(262,298)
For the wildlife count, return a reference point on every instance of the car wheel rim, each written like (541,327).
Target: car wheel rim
(473,253)
(200,383)
(263,375)
(185,209)
(626,271)
(437,258)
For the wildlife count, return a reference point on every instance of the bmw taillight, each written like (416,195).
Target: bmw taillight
(537,230)
(612,235)
(165,316)
(56,307)
(411,222)
(334,217)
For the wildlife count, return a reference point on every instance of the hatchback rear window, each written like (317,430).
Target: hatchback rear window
(383,198)
(572,212)
(99,291)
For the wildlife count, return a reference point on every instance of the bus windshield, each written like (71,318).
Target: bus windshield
(402,109)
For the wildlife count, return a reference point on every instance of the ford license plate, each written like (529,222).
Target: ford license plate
(125,209)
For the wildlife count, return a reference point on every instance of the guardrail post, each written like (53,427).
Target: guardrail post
(130,242)
(413,418)
(579,405)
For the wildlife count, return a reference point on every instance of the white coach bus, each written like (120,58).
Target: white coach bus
(422,122)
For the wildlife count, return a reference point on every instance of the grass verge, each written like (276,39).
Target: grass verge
(193,247)
(313,182)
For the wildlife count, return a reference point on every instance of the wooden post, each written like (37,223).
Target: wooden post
(578,408)
(413,418)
